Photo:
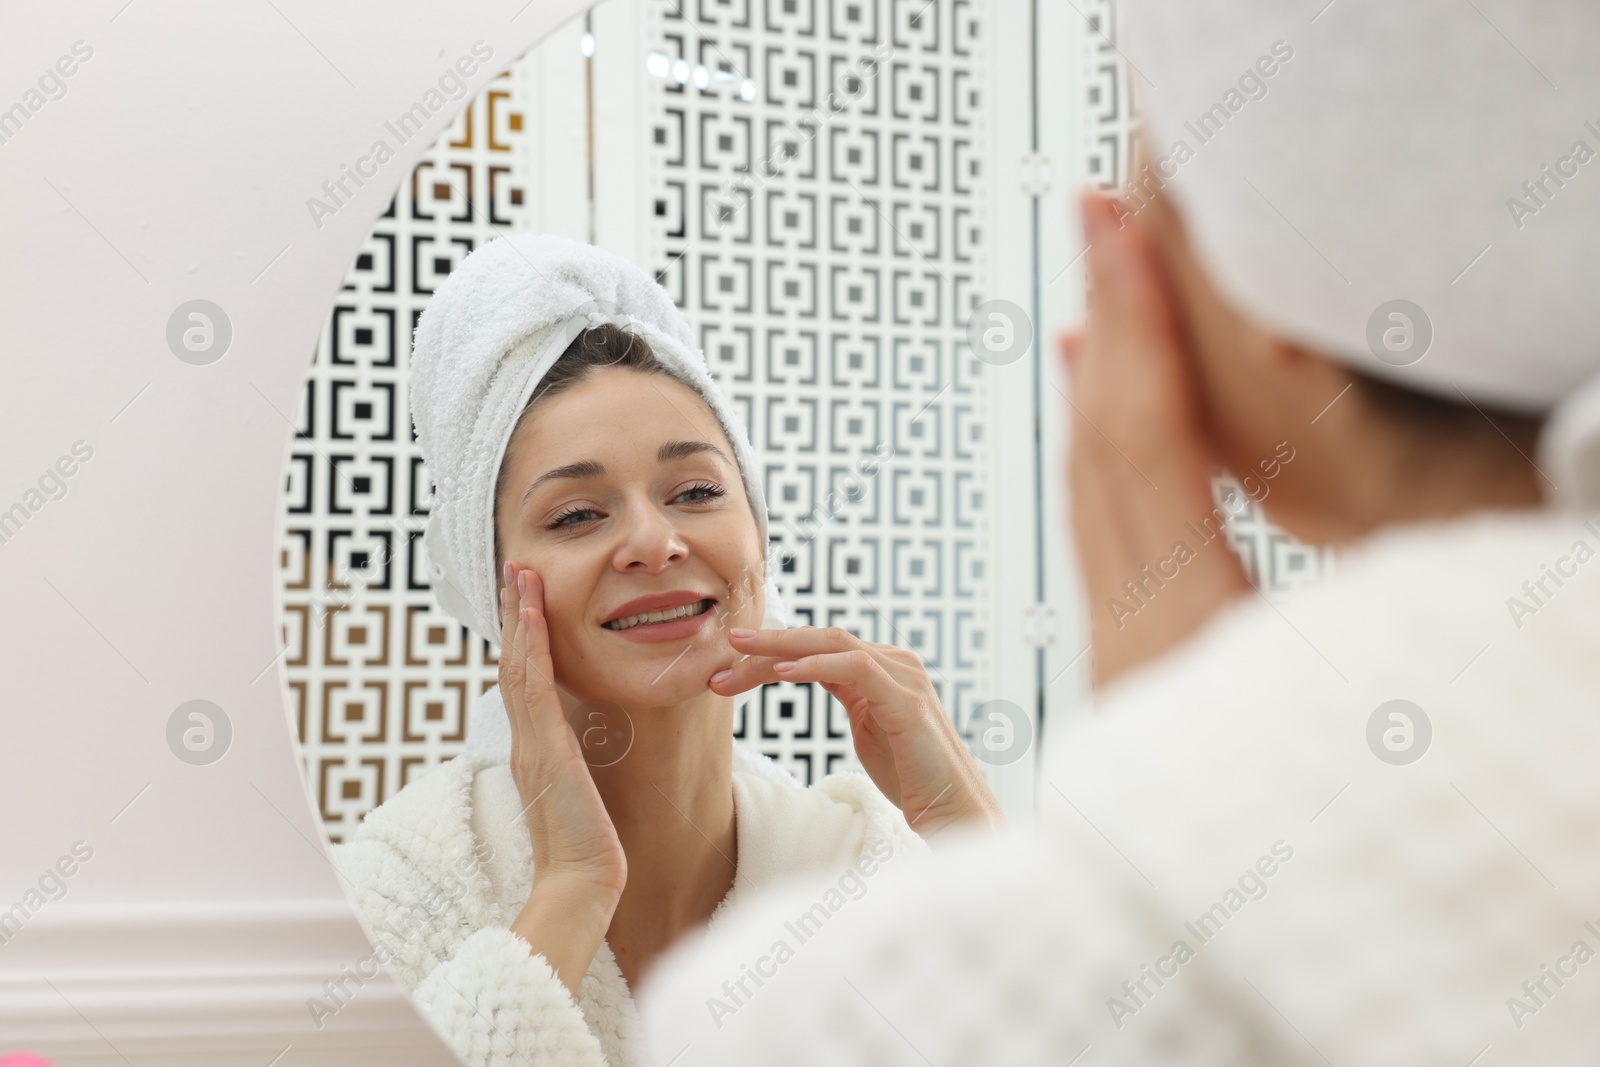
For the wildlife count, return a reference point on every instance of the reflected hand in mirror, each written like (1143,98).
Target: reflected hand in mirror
(902,735)
(580,863)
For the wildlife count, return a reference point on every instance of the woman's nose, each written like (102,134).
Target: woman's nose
(651,540)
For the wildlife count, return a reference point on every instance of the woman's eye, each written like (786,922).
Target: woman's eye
(711,492)
(561,519)
(706,492)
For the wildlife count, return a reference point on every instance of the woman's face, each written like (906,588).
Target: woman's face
(1260,394)
(623,486)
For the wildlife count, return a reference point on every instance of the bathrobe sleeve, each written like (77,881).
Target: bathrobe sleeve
(498,1003)
(415,877)
(881,822)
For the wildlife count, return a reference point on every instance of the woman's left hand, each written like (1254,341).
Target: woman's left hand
(904,739)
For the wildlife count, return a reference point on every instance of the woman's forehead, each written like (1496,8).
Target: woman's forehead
(622,416)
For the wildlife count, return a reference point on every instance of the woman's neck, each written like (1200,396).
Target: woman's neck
(670,799)
(1421,473)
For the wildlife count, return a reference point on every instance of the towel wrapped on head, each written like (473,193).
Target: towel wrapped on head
(488,337)
(1410,188)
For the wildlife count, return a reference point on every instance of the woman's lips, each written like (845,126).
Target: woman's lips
(654,632)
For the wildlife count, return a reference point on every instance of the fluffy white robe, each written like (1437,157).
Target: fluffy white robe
(442,869)
(1227,872)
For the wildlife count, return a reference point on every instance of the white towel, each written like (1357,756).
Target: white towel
(485,341)
(1340,156)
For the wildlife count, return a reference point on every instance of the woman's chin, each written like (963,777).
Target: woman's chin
(652,673)
(657,685)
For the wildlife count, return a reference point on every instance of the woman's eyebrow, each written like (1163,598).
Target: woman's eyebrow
(683,449)
(588,468)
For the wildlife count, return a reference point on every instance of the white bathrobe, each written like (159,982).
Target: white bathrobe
(1333,904)
(442,869)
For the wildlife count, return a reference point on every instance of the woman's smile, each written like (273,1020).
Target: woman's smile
(668,622)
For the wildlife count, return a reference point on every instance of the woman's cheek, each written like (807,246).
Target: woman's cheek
(564,626)
(756,610)
(740,571)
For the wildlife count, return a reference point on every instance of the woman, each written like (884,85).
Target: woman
(520,892)
(1357,827)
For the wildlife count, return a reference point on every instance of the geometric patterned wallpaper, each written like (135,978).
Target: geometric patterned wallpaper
(1275,563)
(1109,108)
(821,190)
(831,302)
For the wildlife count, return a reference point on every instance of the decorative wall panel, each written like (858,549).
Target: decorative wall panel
(1110,117)
(820,169)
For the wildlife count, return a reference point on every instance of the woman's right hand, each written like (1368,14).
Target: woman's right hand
(578,863)
(1141,457)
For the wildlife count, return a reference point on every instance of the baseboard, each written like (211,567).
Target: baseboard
(204,983)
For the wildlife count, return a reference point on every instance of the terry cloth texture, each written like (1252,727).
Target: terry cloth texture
(1418,151)
(1249,799)
(442,869)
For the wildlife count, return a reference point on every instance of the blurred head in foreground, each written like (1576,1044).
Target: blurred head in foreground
(1379,228)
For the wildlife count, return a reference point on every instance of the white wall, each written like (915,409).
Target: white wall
(177,166)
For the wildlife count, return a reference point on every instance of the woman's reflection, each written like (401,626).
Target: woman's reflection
(520,892)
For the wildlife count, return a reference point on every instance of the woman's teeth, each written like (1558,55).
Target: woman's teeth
(697,608)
